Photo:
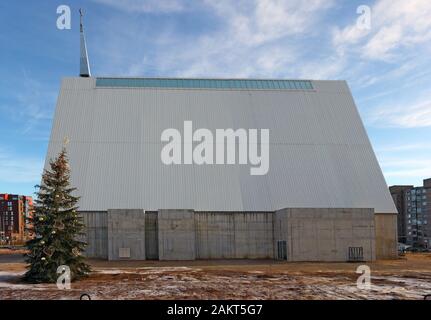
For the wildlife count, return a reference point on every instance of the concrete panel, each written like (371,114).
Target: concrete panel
(126,228)
(215,235)
(386,236)
(325,234)
(176,234)
(254,235)
(96,233)
(237,235)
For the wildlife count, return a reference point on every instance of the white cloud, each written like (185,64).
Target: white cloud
(146,6)
(255,38)
(269,38)
(424,171)
(406,163)
(349,35)
(405,116)
(404,147)
(18,169)
(399,167)
(381,44)
(322,69)
(261,21)
(248,38)
(406,168)
(33,105)
(407,70)
(395,24)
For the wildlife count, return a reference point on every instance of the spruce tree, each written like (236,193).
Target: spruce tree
(56,226)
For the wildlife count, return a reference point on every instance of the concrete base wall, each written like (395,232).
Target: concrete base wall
(96,234)
(176,235)
(325,234)
(234,235)
(386,236)
(126,234)
(310,234)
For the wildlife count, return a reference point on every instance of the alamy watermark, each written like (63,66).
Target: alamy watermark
(64,18)
(364,20)
(180,148)
(364,280)
(63,281)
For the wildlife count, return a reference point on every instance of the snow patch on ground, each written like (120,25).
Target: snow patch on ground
(10,280)
(146,270)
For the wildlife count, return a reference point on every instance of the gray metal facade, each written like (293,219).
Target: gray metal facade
(320,155)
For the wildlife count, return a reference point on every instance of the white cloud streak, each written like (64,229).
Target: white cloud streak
(250,38)
(145,6)
(404,147)
(395,24)
(256,22)
(32,104)
(18,169)
(407,168)
(416,115)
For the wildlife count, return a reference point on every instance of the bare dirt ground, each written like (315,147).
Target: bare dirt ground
(405,278)
(14,251)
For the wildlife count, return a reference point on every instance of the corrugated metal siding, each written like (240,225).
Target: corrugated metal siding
(320,155)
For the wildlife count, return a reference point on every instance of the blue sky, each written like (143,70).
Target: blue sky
(387,66)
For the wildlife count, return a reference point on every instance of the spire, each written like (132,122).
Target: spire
(84,66)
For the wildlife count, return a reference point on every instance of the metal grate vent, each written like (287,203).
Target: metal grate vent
(356,254)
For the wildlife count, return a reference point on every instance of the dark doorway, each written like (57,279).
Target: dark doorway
(151,235)
(281,250)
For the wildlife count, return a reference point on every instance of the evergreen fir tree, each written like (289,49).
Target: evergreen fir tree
(56,227)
